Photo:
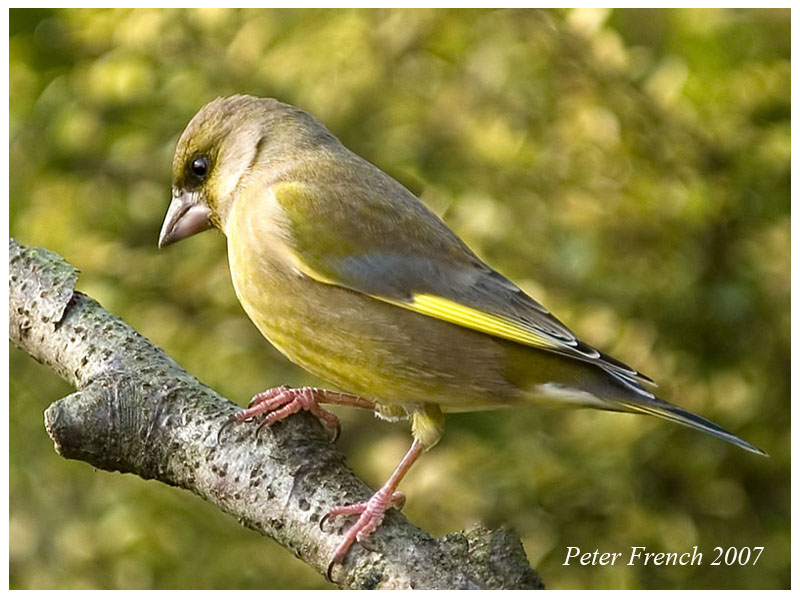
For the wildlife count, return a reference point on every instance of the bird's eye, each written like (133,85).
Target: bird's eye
(199,167)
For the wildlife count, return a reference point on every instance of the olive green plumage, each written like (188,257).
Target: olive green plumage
(351,277)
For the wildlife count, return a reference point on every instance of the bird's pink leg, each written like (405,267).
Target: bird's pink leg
(278,403)
(372,511)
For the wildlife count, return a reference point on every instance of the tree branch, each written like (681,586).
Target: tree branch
(136,411)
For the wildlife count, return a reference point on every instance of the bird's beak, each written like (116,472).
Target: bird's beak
(187,214)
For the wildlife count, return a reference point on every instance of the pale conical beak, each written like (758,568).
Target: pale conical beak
(186,215)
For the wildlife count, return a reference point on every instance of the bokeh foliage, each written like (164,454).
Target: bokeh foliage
(630,169)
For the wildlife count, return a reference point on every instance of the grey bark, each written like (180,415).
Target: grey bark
(137,411)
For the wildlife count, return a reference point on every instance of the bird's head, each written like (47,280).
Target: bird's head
(229,142)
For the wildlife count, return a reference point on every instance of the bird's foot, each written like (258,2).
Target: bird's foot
(280,402)
(371,515)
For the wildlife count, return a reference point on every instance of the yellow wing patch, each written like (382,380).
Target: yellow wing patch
(456,313)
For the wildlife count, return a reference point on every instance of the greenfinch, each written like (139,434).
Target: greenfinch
(351,277)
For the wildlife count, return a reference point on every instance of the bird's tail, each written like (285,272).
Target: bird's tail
(665,410)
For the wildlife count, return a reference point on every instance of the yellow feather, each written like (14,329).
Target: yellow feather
(453,312)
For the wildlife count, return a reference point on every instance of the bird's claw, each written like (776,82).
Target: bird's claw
(371,513)
(337,431)
(329,572)
(280,402)
(228,422)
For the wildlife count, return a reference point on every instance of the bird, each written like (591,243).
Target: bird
(350,276)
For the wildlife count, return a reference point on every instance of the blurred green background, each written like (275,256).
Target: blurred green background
(630,169)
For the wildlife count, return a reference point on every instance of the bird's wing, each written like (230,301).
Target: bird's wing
(405,255)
